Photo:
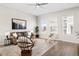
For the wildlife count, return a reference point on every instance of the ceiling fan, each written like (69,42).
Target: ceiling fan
(38,4)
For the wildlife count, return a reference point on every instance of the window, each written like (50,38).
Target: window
(53,26)
(44,25)
(68,24)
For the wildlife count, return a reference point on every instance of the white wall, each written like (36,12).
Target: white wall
(6,15)
(68,12)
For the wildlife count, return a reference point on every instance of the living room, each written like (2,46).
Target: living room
(50,18)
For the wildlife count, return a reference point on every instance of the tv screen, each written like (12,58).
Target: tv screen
(18,23)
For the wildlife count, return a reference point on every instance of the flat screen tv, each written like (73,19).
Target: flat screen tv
(18,23)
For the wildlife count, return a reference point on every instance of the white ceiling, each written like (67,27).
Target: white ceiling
(50,7)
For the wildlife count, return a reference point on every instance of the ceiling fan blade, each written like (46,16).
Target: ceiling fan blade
(43,3)
(35,4)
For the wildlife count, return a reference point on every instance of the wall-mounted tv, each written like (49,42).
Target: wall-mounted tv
(18,23)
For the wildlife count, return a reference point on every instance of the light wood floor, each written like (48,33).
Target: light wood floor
(60,49)
(63,49)
(40,47)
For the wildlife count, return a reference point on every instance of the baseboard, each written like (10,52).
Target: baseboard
(68,41)
(75,42)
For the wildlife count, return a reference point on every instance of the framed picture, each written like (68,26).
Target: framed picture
(18,23)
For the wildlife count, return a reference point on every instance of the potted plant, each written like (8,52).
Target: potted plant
(37,31)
